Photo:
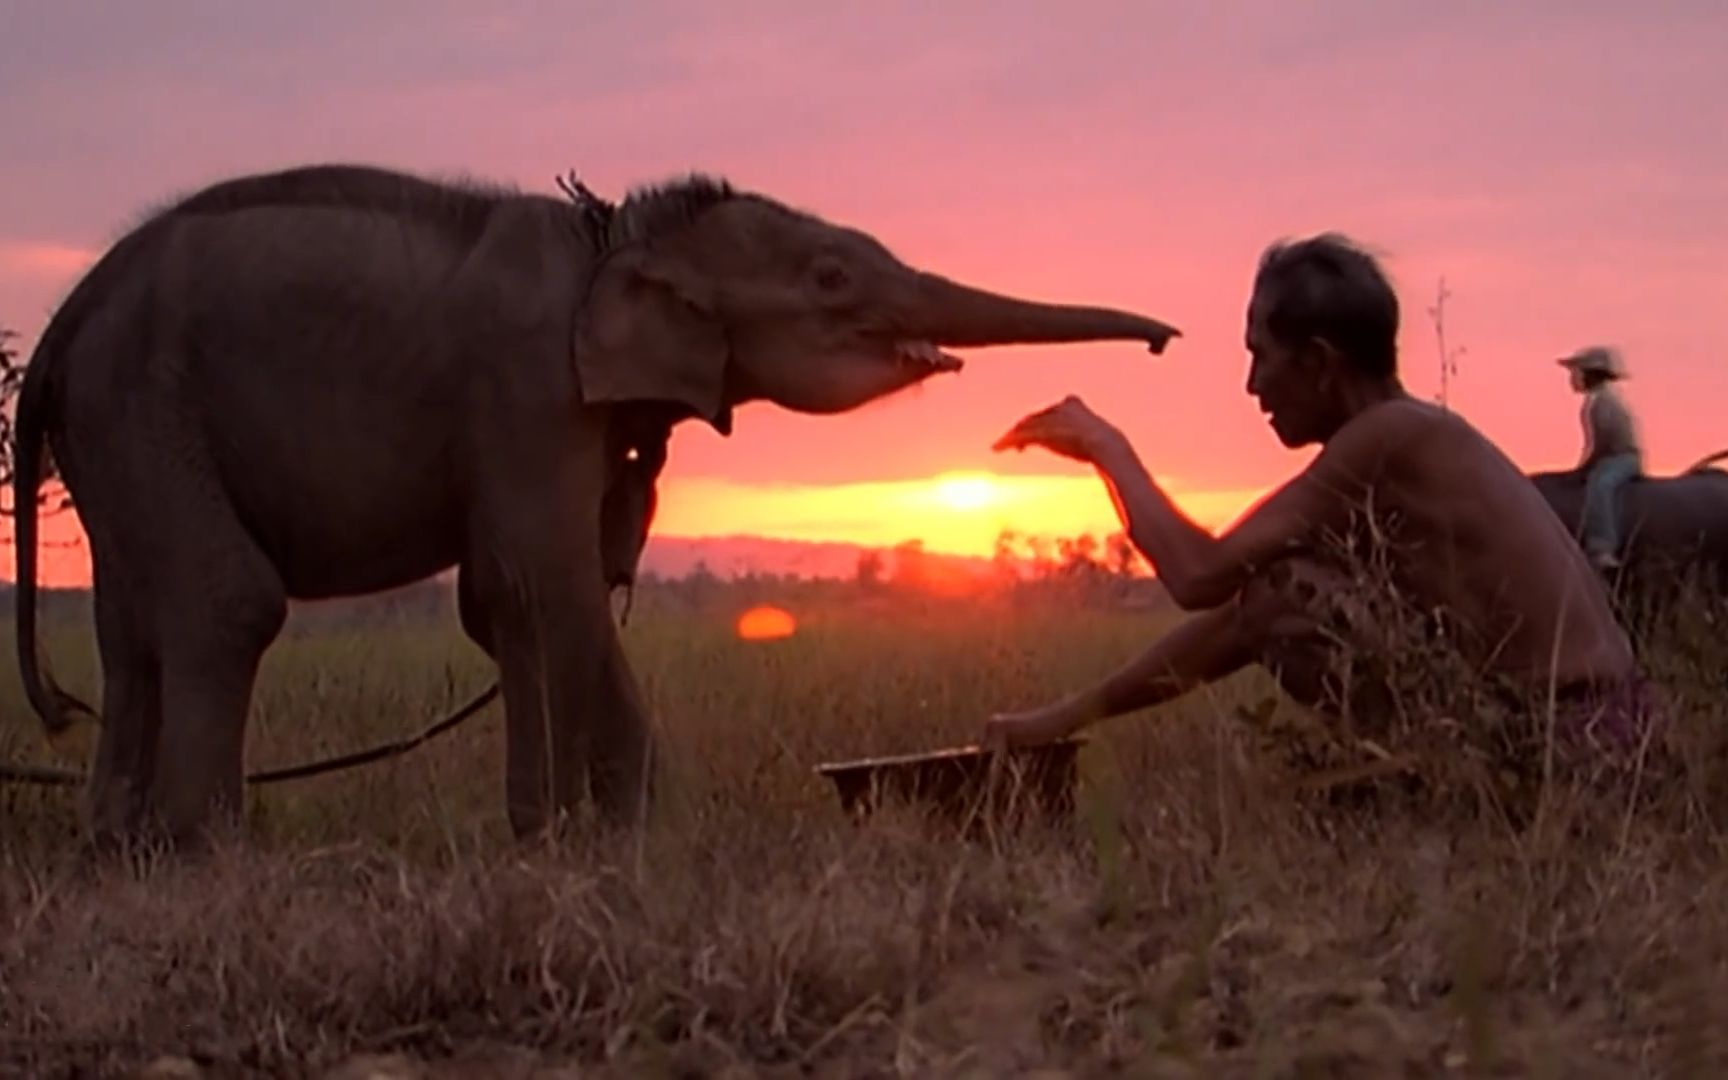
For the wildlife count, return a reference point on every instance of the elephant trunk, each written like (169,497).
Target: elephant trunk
(959,315)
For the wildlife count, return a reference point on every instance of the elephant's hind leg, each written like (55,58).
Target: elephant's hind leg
(220,605)
(125,540)
(125,762)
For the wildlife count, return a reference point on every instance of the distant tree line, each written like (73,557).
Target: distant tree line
(1024,571)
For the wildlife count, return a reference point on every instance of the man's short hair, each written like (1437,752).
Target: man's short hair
(1329,288)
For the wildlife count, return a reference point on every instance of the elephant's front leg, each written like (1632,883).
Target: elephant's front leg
(621,774)
(532,589)
(574,722)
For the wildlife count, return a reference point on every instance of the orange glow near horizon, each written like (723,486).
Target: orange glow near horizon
(954,513)
(950,513)
(766,623)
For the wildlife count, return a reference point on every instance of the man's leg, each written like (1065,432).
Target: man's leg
(1602,507)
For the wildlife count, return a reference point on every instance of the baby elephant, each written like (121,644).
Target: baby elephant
(338,379)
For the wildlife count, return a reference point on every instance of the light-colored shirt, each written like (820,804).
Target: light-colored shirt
(1609,428)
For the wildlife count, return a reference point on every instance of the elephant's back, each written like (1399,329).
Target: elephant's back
(327,364)
(308,359)
(317,358)
(248,271)
(1687,509)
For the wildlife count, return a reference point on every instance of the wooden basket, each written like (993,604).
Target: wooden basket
(965,784)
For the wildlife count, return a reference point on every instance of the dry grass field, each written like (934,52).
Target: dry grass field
(1194,919)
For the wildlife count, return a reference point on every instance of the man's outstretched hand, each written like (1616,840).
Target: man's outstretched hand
(1034,727)
(1068,428)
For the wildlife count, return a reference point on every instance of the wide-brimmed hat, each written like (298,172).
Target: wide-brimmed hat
(1596,360)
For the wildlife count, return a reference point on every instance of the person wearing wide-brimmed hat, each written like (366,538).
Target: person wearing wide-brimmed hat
(1612,452)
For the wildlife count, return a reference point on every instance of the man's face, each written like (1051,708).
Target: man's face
(1288,382)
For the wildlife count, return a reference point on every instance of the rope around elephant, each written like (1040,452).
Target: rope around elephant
(48,776)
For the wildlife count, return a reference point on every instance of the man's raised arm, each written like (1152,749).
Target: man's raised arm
(1198,569)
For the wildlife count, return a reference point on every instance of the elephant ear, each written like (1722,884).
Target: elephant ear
(649,333)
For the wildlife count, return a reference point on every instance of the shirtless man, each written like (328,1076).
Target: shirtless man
(1470,535)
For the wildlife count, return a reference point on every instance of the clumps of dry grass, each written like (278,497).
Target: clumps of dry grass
(1192,919)
(855,952)
(271,961)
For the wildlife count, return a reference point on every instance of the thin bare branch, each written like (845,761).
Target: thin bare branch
(51,497)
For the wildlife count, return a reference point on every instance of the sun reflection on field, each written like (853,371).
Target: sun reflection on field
(766,623)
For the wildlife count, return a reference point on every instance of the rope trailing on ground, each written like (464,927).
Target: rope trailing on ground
(41,775)
(47,776)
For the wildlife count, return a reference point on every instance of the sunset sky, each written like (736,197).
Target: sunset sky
(1562,164)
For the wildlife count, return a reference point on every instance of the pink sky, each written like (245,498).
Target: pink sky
(1562,164)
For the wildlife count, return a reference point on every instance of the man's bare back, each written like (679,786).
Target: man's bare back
(1471,536)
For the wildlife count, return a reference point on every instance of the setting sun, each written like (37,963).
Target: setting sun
(966,491)
(766,623)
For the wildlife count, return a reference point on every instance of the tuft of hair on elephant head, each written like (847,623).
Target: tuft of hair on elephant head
(338,379)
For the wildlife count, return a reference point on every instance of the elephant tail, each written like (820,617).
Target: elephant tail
(45,697)
(1705,462)
(36,406)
